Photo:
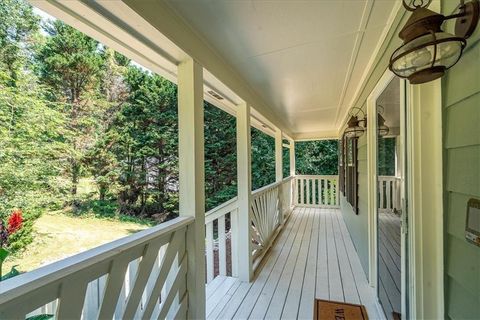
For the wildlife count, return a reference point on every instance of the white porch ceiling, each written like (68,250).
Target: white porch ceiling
(305,58)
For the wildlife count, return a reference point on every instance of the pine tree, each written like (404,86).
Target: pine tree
(70,63)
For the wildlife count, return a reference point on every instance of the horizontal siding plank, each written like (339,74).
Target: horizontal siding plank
(461,120)
(465,79)
(463,167)
(463,264)
(460,304)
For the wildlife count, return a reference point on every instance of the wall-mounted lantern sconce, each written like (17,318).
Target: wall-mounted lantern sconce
(354,130)
(383,130)
(427,51)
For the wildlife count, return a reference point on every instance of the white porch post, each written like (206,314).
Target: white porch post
(278,156)
(279,171)
(292,158)
(191,171)
(292,174)
(244,185)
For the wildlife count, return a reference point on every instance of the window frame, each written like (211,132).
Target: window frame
(348,168)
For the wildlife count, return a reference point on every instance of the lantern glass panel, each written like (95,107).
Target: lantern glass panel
(448,53)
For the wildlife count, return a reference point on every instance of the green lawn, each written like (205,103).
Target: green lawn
(57,236)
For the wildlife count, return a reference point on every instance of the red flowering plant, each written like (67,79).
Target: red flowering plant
(14,224)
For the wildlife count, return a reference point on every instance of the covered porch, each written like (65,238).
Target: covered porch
(267,253)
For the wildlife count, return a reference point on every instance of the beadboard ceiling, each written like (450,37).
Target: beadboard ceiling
(306,58)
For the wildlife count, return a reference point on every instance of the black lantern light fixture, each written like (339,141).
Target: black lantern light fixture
(354,130)
(382,128)
(427,51)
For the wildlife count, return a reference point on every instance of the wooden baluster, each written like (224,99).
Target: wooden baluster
(166,271)
(72,298)
(314,191)
(322,192)
(381,189)
(209,247)
(307,201)
(233,241)
(332,193)
(113,288)
(388,186)
(337,193)
(222,248)
(141,278)
(319,191)
(178,283)
(302,199)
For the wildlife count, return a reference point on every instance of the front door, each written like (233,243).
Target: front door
(391,213)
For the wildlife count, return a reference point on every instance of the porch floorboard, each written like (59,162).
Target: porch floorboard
(313,257)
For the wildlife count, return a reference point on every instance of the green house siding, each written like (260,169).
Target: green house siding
(461,119)
(358,224)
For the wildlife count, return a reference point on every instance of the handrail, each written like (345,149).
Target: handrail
(221,210)
(388,178)
(271,186)
(227,206)
(15,287)
(328,176)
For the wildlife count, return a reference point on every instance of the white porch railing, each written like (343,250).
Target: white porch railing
(389,198)
(139,276)
(316,191)
(221,239)
(144,275)
(270,205)
(221,227)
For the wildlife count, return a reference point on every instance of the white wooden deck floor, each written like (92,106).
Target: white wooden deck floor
(389,263)
(313,257)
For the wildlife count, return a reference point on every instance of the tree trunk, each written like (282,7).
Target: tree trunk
(102,192)
(75,177)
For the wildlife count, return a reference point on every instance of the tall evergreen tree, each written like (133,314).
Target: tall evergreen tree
(145,137)
(316,157)
(18,30)
(220,156)
(263,159)
(31,128)
(70,63)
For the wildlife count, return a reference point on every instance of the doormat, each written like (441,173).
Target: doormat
(332,310)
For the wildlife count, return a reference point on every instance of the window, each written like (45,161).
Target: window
(349,171)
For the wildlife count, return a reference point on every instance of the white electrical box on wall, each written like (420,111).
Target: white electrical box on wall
(472,227)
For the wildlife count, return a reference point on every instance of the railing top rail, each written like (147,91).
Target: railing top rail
(306,176)
(30,281)
(388,177)
(265,188)
(231,204)
(222,206)
(221,210)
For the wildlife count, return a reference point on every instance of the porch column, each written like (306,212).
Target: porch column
(278,156)
(244,185)
(279,172)
(293,184)
(192,180)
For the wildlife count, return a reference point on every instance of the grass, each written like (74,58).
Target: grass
(57,236)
